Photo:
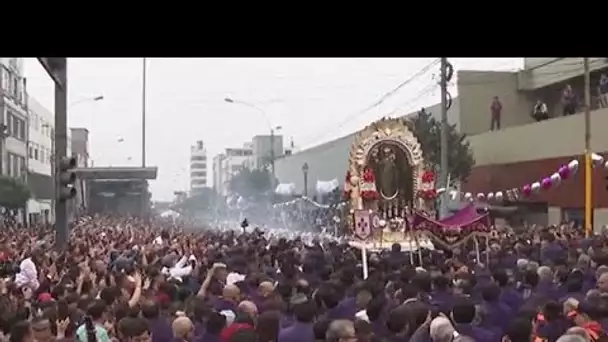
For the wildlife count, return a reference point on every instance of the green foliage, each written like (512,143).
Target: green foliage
(460,157)
(13,193)
(251,183)
(205,200)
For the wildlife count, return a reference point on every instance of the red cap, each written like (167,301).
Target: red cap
(45,297)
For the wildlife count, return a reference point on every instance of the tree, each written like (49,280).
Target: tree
(251,183)
(460,157)
(203,201)
(14,194)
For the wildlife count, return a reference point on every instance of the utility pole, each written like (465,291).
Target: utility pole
(272,154)
(443,170)
(144,188)
(588,175)
(60,68)
(143,115)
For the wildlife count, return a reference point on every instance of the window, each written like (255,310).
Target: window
(22,167)
(9,122)
(36,152)
(9,164)
(16,129)
(35,121)
(31,151)
(5,78)
(22,130)
(16,88)
(42,155)
(14,165)
(198,174)
(197,158)
(198,166)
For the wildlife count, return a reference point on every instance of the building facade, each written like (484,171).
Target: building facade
(521,151)
(41,151)
(228,164)
(198,167)
(13,119)
(40,162)
(524,150)
(78,147)
(265,148)
(79,144)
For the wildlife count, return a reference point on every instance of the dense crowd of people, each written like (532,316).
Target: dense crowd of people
(121,279)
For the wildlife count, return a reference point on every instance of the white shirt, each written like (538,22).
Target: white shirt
(28,275)
(541,107)
(234,277)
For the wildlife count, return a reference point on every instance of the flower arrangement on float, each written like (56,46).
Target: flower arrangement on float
(427,186)
(368,185)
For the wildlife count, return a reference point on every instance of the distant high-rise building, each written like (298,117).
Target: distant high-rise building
(198,167)
(228,164)
(265,149)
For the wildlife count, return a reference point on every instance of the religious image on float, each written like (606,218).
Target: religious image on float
(394,179)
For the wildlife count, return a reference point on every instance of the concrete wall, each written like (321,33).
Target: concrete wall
(476,89)
(330,160)
(534,62)
(562,69)
(562,136)
(262,149)
(325,162)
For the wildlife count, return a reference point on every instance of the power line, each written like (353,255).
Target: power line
(383,98)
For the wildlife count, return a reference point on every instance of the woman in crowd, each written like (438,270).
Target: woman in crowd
(150,283)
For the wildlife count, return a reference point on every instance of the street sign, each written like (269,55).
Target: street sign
(363,224)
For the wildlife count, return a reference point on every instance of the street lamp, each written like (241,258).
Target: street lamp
(273,129)
(305,173)
(88,99)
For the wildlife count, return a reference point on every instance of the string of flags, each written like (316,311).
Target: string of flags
(564,172)
(309,200)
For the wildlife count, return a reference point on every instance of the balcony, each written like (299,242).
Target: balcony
(557,137)
(556,71)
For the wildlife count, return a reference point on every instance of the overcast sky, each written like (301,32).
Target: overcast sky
(314,100)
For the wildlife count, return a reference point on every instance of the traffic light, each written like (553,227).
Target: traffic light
(67,178)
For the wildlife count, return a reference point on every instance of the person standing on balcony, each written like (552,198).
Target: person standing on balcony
(603,91)
(569,101)
(540,111)
(496,109)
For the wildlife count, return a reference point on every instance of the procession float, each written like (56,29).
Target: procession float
(390,190)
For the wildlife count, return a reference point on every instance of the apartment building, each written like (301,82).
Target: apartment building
(40,163)
(198,167)
(265,148)
(228,164)
(13,119)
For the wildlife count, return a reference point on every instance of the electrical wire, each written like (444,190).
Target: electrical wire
(377,103)
(411,104)
(571,63)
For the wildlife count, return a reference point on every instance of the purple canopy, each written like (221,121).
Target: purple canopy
(462,217)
